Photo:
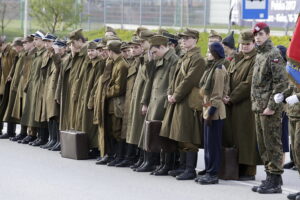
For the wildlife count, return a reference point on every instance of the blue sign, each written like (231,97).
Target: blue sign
(255,9)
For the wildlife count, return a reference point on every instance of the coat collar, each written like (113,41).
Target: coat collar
(267,46)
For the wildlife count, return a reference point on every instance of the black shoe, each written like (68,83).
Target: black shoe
(39,143)
(263,183)
(293,196)
(208,179)
(125,163)
(27,139)
(187,175)
(272,186)
(289,165)
(106,159)
(35,141)
(56,147)
(21,136)
(114,162)
(246,178)
(6,136)
(201,173)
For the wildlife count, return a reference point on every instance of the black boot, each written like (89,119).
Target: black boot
(56,146)
(130,156)
(94,153)
(289,165)
(1,128)
(44,135)
(263,182)
(273,186)
(11,131)
(182,165)
(45,146)
(161,163)
(53,129)
(145,159)
(151,160)
(139,161)
(21,136)
(293,196)
(119,155)
(27,139)
(168,165)
(106,159)
(189,172)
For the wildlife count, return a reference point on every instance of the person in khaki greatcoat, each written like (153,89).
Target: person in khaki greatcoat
(50,108)
(113,89)
(20,102)
(156,91)
(31,89)
(239,127)
(135,116)
(181,122)
(92,69)
(67,90)
(14,79)
(8,56)
(136,50)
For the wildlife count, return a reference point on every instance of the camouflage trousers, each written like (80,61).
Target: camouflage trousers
(268,132)
(294,131)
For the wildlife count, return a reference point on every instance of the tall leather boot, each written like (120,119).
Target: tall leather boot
(1,128)
(151,162)
(273,186)
(11,131)
(56,146)
(161,162)
(189,172)
(263,182)
(44,135)
(139,161)
(169,164)
(22,134)
(130,156)
(182,165)
(119,155)
(45,146)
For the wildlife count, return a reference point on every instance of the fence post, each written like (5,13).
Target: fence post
(122,20)
(140,12)
(104,12)
(181,15)
(160,8)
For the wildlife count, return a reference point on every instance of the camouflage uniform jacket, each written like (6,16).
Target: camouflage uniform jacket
(293,111)
(269,78)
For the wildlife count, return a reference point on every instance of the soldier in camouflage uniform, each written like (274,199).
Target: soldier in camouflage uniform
(268,79)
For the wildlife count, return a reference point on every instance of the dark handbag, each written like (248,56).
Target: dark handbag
(152,142)
(229,169)
(74,145)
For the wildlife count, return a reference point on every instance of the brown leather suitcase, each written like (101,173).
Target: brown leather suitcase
(229,169)
(152,138)
(74,145)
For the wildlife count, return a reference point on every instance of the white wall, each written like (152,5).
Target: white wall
(219,11)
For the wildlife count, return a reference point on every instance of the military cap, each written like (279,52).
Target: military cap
(92,45)
(229,41)
(139,30)
(114,45)
(135,40)
(111,37)
(76,35)
(161,31)
(246,37)
(101,45)
(60,43)
(18,41)
(125,45)
(190,33)
(172,38)
(158,40)
(39,34)
(110,29)
(28,38)
(259,26)
(49,37)
(214,33)
(146,34)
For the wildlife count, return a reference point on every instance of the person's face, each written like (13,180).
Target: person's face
(92,53)
(28,45)
(62,50)
(76,44)
(136,50)
(227,50)
(158,52)
(48,44)
(247,47)
(261,37)
(110,54)
(38,42)
(188,42)
(18,48)
(126,53)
